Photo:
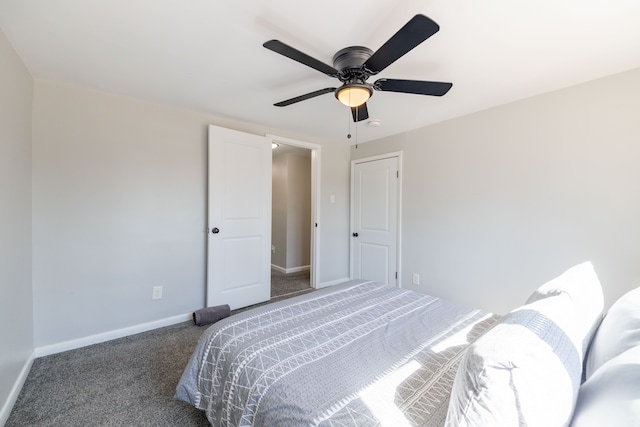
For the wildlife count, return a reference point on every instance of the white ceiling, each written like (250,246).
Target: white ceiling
(208,56)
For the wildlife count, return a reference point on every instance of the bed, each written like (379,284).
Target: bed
(333,357)
(368,354)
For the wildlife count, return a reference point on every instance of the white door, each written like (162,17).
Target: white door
(239,218)
(374,224)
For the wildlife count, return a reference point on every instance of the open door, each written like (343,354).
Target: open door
(239,218)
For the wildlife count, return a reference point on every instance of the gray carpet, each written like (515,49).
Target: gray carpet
(289,284)
(125,382)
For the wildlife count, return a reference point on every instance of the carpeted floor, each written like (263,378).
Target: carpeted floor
(125,382)
(289,284)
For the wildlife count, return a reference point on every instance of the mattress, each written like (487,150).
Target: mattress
(356,354)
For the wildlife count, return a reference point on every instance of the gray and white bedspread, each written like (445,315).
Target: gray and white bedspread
(356,354)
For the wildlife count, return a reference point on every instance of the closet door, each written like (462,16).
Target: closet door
(374,219)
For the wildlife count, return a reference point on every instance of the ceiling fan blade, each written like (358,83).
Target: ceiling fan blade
(418,29)
(305,96)
(286,50)
(360,113)
(418,87)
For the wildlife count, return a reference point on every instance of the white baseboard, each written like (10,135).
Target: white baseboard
(290,270)
(110,335)
(331,283)
(15,390)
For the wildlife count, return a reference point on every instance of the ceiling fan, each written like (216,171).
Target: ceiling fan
(354,65)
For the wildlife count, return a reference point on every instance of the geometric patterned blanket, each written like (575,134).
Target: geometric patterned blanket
(356,354)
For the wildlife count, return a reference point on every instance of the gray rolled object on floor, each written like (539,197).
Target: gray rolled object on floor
(208,315)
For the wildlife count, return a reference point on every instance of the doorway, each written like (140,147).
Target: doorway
(239,216)
(295,192)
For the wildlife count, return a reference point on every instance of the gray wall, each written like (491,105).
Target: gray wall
(299,210)
(279,211)
(498,202)
(119,203)
(16,302)
(291,217)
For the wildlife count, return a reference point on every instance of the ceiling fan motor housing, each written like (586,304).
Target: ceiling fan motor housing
(349,62)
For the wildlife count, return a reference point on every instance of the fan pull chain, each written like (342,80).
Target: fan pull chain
(357,111)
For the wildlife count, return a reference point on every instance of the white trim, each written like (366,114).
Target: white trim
(399,236)
(278,268)
(110,335)
(292,269)
(15,390)
(378,157)
(315,201)
(332,283)
(397,154)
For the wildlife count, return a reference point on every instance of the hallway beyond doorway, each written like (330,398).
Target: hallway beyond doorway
(289,284)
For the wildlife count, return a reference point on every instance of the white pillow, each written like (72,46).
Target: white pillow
(611,397)
(581,284)
(527,369)
(618,332)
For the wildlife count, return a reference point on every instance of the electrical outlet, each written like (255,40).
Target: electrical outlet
(157,292)
(416,279)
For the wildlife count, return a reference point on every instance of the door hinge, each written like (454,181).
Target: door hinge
(397,174)
(396,275)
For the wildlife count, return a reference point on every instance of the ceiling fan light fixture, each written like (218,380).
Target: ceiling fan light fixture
(353,94)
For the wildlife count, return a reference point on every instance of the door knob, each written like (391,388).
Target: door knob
(215,230)
(355,234)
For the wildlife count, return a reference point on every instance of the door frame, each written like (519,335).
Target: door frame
(397,154)
(314,244)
